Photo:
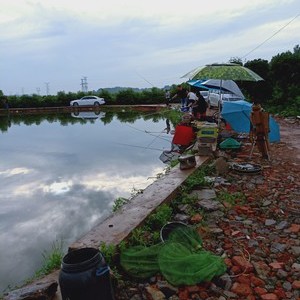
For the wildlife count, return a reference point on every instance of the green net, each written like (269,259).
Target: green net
(140,261)
(180,259)
(181,266)
(186,236)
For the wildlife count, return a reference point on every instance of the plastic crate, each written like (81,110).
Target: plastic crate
(204,140)
(208,132)
(205,149)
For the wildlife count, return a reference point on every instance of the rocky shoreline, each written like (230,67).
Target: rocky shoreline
(258,235)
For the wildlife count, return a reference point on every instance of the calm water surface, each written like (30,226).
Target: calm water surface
(59,177)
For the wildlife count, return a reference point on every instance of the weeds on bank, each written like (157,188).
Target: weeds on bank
(173,115)
(148,234)
(108,251)
(197,179)
(118,203)
(52,259)
(158,219)
(231,198)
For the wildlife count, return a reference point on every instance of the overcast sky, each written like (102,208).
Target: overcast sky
(133,43)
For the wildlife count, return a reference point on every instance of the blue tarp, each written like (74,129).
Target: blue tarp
(237,114)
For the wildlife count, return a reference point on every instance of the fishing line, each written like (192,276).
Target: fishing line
(145,131)
(271,36)
(156,137)
(144,78)
(147,148)
(148,132)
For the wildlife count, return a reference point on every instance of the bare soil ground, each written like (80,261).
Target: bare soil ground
(259,237)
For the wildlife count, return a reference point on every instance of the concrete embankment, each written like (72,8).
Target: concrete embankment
(70,109)
(119,225)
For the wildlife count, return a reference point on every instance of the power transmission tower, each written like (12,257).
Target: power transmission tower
(84,84)
(38,90)
(47,88)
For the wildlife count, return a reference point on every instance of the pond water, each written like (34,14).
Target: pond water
(60,175)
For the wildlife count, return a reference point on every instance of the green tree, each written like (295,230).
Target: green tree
(236,60)
(128,97)
(285,76)
(260,91)
(152,96)
(108,97)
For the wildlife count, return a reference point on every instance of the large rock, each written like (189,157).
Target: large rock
(44,291)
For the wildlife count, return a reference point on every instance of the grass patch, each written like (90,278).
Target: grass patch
(148,234)
(51,260)
(118,203)
(231,198)
(197,179)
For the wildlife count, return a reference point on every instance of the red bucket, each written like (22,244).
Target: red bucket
(184,135)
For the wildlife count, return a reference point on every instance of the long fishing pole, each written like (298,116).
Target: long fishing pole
(156,137)
(148,132)
(136,146)
(144,78)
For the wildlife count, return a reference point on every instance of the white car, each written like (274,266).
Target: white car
(205,95)
(214,99)
(88,100)
(88,114)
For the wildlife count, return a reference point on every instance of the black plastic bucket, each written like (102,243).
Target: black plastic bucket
(84,275)
(168,228)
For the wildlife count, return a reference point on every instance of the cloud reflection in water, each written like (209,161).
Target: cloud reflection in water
(57,182)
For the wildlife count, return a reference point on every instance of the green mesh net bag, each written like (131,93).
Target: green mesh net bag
(182,266)
(140,262)
(184,235)
(180,259)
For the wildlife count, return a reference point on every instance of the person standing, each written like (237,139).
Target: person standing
(200,107)
(167,97)
(182,95)
(259,130)
(191,98)
(5,103)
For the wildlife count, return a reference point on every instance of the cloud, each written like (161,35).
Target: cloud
(111,43)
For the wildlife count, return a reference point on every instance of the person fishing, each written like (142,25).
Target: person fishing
(167,97)
(182,95)
(199,107)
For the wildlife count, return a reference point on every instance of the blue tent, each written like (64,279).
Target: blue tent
(237,114)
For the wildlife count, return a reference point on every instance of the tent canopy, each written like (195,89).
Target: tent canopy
(227,86)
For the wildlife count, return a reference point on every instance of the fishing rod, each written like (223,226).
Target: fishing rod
(148,132)
(136,146)
(156,137)
(144,78)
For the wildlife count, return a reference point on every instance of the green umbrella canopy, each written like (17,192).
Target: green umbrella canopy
(227,71)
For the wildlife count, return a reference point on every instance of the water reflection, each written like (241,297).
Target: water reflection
(60,174)
(88,114)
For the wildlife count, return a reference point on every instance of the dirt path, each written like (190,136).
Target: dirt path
(290,134)
(259,237)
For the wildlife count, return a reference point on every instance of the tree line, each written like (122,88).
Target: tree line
(279,92)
